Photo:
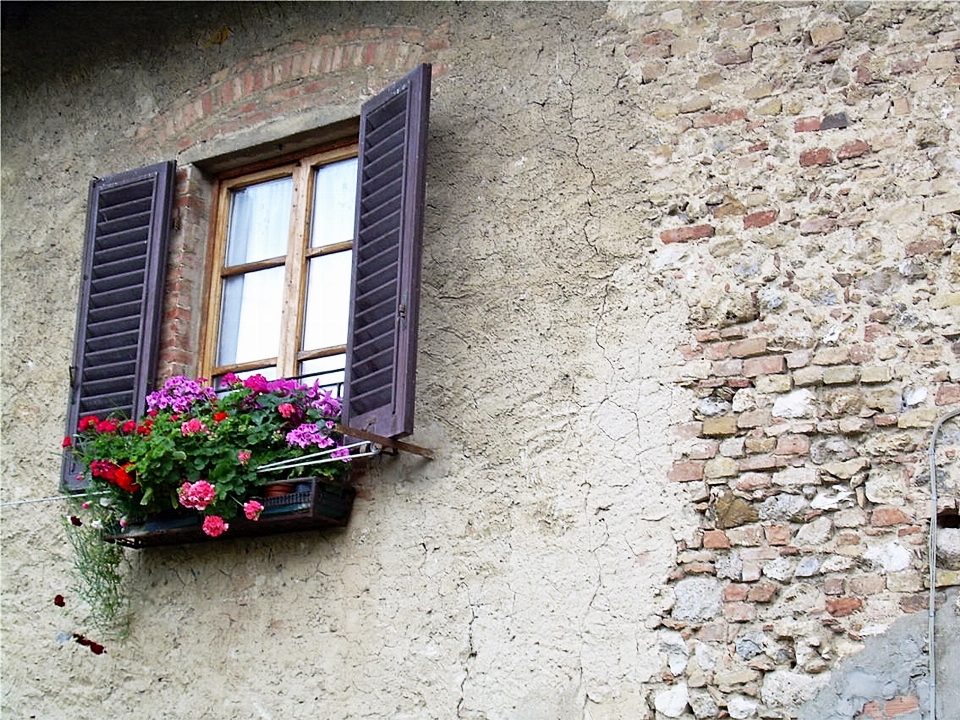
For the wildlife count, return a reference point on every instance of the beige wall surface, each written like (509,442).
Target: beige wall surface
(691,309)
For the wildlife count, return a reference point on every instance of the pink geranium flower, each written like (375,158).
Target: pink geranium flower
(213,525)
(192,426)
(243,456)
(196,495)
(252,509)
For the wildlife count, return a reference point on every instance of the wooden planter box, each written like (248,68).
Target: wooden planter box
(316,503)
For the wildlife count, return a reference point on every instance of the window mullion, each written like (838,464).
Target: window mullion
(295,276)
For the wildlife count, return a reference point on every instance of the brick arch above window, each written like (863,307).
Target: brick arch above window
(297,79)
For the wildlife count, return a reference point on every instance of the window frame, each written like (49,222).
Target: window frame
(295,262)
(400,194)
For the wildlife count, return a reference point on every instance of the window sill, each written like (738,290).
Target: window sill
(316,504)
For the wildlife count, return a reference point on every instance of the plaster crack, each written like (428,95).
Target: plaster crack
(468,661)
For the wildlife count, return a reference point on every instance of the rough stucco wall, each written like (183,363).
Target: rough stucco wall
(524,572)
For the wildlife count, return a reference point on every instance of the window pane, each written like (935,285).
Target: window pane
(328,371)
(328,301)
(259,224)
(334,203)
(250,316)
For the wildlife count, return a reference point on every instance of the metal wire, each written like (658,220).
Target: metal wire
(319,458)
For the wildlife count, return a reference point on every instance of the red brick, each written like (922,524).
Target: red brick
(758,462)
(688,430)
(735,592)
(759,219)
(871,711)
(717,351)
(715,540)
(690,232)
(901,705)
(841,607)
(947,394)
(703,450)
(791,444)
(748,347)
(806,124)
(820,156)
(708,120)
(686,471)
(852,149)
(778,534)
(928,246)
(861,353)
(887,516)
(765,365)
(762,592)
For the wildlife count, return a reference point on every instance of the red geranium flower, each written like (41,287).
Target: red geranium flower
(124,480)
(107,426)
(129,426)
(67,442)
(219,416)
(88,423)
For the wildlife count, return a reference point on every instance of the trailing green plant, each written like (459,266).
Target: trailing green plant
(98,577)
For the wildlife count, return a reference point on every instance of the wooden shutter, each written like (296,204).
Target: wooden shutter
(385,297)
(121,297)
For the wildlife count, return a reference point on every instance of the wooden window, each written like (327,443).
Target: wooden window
(280,289)
(283,304)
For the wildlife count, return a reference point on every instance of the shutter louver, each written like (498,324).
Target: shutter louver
(121,297)
(385,297)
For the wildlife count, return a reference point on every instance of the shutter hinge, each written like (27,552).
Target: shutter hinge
(73,377)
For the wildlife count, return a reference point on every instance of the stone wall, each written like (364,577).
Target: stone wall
(690,313)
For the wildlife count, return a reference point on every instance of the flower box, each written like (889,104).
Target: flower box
(314,503)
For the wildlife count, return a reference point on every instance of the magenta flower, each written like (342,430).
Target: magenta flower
(252,510)
(179,394)
(258,383)
(243,456)
(214,526)
(309,434)
(192,427)
(342,453)
(196,495)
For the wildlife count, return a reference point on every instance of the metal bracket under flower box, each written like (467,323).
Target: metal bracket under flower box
(386,442)
(315,503)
